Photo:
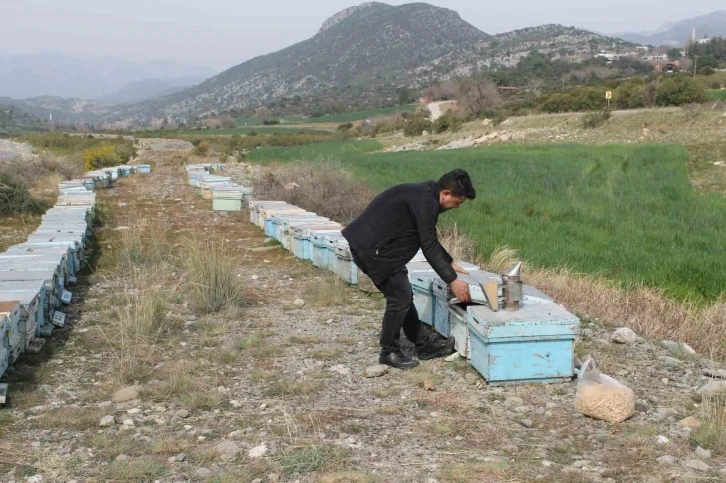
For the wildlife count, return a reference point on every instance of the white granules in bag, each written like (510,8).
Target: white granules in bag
(602,397)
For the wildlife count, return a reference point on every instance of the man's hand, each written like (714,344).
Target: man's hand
(461,290)
(458,269)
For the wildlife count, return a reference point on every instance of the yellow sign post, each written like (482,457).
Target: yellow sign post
(608,96)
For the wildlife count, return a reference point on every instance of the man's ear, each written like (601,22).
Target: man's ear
(445,192)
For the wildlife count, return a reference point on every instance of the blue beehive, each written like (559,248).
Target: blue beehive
(319,247)
(302,234)
(532,344)
(423,295)
(343,263)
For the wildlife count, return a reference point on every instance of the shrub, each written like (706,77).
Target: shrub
(100,157)
(679,90)
(212,283)
(415,126)
(345,126)
(630,95)
(447,122)
(324,188)
(596,119)
(15,198)
(201,149)
(578,99)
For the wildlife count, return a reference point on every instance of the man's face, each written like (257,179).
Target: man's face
(449,201)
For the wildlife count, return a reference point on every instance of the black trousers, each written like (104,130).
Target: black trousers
(400,312)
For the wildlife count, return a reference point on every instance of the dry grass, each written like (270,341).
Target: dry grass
(287,387)
(711,434)
(475,472)
(212,283)
(323,187)
(349,477)
(308,459)
(141,470)
(135,322)
(305,340)
(646,310)
(69,418)
(458,245)
(331,292)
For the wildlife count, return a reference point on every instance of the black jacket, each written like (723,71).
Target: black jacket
(392,228)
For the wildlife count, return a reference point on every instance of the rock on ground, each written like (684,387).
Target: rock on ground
(624,335)
(126,394)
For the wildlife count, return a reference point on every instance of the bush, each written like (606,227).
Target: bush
(345,126)
(201,149)
(578,99)
(630,95)
(324,188)
(415,126)
(15,198)
(100,157)
(596,119)
(447,122)
(679,90)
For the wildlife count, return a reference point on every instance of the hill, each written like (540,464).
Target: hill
(677,33)
(149,88)
(32,75)
(13,120)
(60,109)
(367,52)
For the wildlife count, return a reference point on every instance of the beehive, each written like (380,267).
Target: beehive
(302,246)
(532,344)
(343,264)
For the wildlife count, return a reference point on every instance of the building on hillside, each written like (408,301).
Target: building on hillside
(703,41)
(655,58)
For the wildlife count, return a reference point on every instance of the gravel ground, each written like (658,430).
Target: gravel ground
(12,149)
(287,399)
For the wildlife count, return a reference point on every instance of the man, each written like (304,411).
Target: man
(386,236)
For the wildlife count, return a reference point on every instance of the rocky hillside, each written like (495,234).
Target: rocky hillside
(370,45)
(369,51)
(13,119)
(61,109)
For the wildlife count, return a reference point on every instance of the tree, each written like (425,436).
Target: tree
(405,96)
(262,113)
(227,121)
(675,54)
(678,90)
(476,94)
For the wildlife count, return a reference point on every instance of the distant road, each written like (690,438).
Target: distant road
(435,109)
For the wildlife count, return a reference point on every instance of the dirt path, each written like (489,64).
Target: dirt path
(274,391)
(435,109)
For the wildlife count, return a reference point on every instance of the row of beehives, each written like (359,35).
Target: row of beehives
(225,195)
(34,275)
(532,344)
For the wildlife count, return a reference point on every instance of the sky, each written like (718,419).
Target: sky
(223,33)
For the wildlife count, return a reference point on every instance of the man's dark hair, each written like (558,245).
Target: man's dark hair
(459,183)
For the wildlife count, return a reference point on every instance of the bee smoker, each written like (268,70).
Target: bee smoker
(512,287)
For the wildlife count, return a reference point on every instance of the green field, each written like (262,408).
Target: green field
(334,118)
(229,132)
(718,94)
(627,213)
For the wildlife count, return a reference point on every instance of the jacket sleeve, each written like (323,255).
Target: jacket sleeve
(425,216)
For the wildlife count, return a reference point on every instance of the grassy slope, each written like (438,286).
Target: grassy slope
(628,213)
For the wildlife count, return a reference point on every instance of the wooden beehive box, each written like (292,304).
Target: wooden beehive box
(532,344)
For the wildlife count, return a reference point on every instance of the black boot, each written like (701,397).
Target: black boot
(398,360)
(436,348)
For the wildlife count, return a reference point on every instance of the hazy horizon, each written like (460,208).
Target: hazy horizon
(220,34)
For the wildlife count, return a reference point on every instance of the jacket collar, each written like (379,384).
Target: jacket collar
(434,187)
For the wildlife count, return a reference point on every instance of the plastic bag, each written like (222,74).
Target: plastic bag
(602,397)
